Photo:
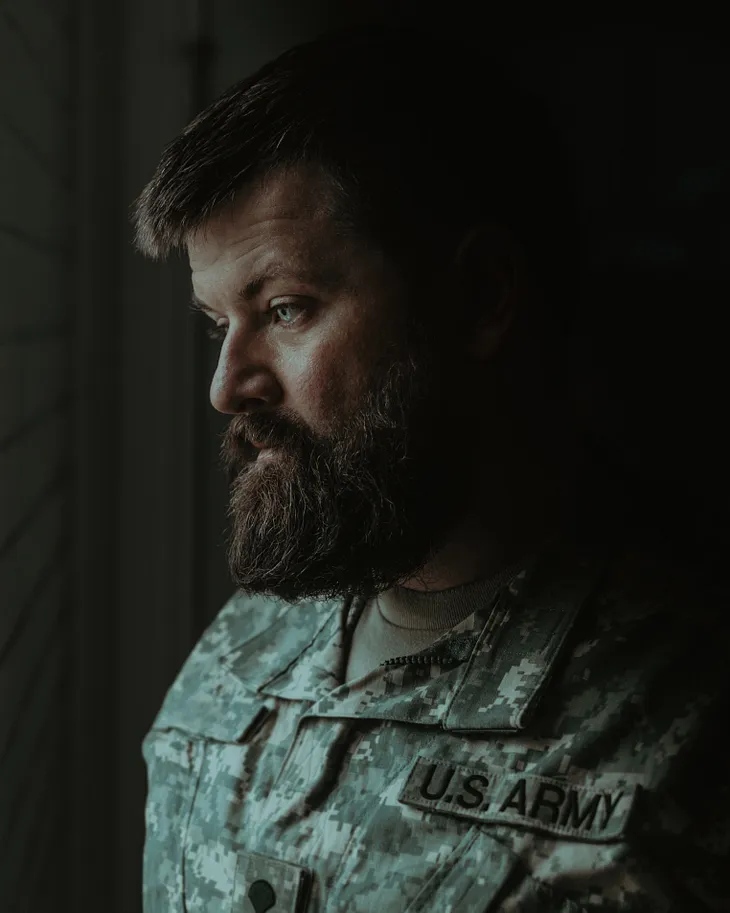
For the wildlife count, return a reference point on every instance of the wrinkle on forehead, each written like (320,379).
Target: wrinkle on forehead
(295,202)
(290,223)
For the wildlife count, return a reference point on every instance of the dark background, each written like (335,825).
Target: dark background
(112,512)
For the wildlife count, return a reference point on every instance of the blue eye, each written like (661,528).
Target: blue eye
(287,306)
(218,333)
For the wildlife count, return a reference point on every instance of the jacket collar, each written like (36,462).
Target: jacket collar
(485,674)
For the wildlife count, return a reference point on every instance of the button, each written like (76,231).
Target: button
(262,896)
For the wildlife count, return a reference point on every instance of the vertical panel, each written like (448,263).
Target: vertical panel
(35,210)
(157,449)
(92,826)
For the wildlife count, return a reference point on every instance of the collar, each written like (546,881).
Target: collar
(485,674)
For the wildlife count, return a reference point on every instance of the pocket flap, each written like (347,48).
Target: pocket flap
(215,705)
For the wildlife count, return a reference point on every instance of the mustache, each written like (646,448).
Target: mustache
(244,430)
(237,439)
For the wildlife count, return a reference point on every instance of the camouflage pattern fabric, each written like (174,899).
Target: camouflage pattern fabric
(558,750)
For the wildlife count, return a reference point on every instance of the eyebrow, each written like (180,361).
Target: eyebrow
(325,278)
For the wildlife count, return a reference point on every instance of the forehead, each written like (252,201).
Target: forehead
(291,214)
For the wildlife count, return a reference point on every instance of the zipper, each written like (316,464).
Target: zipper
(452,660)
(416,658)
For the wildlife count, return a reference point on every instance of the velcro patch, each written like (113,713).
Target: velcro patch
(263,884)
(541,803)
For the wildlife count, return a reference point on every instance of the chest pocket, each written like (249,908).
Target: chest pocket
(174,751)
(484,874)
(420,874)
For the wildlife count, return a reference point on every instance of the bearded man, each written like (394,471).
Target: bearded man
(453,676)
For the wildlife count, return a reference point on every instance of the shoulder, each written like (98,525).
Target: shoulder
(662,565)
(242,619)
(645,585)
(653,613)
(255,626)
(648,660)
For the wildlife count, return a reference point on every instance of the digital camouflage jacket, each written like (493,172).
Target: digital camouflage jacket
(558,750)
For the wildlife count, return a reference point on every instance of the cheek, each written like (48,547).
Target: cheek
(335,386)
(333,383)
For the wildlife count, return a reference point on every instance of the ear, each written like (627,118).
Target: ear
(491,273)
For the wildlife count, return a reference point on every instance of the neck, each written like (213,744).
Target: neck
(521,497)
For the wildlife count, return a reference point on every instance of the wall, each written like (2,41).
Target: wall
(36,208)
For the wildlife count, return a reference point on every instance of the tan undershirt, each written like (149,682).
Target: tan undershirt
(402,621)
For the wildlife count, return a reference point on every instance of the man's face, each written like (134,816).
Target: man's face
(362,415)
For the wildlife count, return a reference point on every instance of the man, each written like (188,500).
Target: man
(451,677)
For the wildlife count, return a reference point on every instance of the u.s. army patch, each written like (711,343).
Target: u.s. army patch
(496,797)
(263,884)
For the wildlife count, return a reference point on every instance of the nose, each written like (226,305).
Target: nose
(242,382)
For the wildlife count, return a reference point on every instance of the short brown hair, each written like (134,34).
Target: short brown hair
(408,127)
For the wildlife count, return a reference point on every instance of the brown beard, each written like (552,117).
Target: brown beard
(358,510)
